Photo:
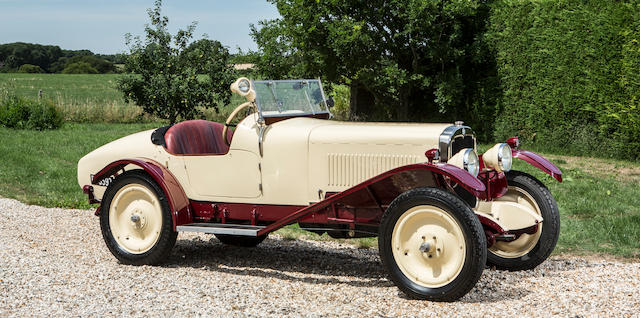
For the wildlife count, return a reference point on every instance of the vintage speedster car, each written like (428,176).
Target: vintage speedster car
(440,211)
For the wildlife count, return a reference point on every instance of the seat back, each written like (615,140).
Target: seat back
(196,137)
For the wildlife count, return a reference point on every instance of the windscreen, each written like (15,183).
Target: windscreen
(290,98)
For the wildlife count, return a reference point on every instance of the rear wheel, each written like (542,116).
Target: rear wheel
(529,250)
(136,221)
(432,245)
(238,240)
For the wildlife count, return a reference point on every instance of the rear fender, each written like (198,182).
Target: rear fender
(178,201)
(539,162)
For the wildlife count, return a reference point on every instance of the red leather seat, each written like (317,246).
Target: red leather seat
(196,137)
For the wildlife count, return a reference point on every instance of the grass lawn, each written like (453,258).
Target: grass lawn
(88,97)
(599,199)
(39,167)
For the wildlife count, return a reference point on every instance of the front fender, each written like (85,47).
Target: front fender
(539,162)
(178,201)
(383,188)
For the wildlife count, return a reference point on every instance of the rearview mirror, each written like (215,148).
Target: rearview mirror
(330,102)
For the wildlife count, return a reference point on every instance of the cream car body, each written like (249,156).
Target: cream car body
(286,162)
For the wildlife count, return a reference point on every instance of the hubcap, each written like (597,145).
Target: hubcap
(526,242)
(135,218)
(428,246)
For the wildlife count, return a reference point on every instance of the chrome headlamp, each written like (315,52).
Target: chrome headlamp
(499,158)
(466,159)
(243,87)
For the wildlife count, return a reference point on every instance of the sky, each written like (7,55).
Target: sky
(100,25)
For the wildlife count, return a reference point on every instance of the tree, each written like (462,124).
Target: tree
(30,68)
(79,68)
(170,76)
(411,59)
(13,55)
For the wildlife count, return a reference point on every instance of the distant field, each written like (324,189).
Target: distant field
(85,97)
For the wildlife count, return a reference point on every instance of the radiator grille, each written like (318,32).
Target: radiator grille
(347,170)
(460,143)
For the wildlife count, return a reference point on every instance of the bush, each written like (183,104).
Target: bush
(29,68)
(22,113)
(621,118)
(79,68)
(341,97)
(561,65)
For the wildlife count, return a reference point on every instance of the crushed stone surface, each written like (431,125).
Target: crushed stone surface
(53,262)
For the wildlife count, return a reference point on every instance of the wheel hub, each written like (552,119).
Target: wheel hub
(138,221)
(431,247)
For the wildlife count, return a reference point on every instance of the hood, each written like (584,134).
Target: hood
(408,134)
(342,155)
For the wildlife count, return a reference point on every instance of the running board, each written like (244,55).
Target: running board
(219,228)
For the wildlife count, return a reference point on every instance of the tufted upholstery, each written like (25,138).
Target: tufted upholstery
(196,137)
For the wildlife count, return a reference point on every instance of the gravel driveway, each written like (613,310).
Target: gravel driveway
(54,262)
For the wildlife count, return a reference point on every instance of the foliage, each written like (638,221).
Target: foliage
(51,58)
(83,64)
(567,70)
(621,118)
(341,97)
(418,59)
(278,57)
(29,68)
(22,113)
(163,71)
(13,55)
(79,68)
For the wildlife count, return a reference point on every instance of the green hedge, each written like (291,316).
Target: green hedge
(23,113)
(569,74)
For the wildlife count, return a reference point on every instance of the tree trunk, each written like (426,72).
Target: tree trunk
(402,111)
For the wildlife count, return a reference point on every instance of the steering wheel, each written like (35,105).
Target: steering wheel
(228,124)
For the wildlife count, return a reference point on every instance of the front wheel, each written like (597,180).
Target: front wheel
(136,221)
(529,250)
(432,245)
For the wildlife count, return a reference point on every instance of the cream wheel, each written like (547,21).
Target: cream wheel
(432,244)
(525,242)
(135,219)
(528,250)
(428,246)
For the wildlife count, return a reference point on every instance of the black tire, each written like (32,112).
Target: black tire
(167,236)
(239,240)
(474,238)
(550,225)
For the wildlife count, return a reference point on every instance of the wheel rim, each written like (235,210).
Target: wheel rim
(428,246)
(526,242)
(135,218)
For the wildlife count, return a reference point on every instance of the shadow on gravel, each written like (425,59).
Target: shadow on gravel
(301,261)
(286,260)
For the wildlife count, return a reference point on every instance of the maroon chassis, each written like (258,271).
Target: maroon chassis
(355,212)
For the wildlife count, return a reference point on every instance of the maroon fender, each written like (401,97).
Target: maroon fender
(539,162)
(408,176)
(178,201)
